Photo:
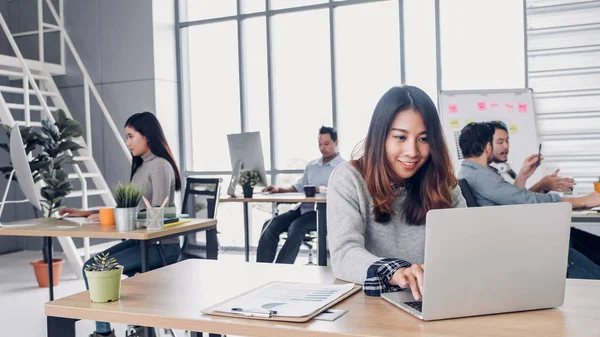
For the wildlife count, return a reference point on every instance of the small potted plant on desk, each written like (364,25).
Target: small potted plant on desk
(127,197)
(104,279)
(248,179)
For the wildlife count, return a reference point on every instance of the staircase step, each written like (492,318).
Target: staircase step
(85,175)
(81,158)
(35,124)
(18,90)
(9,73)
(76,194)
(31,107)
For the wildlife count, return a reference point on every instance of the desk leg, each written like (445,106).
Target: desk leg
(246,232)
(212,244)
(144,257)
(60,327)
(199,334)
(50,271)
(148,332)
(322,234)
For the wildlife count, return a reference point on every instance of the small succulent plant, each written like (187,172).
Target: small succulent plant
(103,263)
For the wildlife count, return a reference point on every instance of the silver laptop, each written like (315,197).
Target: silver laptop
(489,260)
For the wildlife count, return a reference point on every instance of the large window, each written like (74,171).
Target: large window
(302,84)
(367,42)
(287,67)
(214,93)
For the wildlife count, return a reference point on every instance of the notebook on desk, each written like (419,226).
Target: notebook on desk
(284,301)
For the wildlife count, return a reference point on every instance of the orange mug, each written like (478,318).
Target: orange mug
(597,186)
(107,216)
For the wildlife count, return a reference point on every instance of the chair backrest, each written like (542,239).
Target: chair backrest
(210,188)
(467,193)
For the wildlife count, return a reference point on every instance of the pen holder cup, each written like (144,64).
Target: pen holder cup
(155,219)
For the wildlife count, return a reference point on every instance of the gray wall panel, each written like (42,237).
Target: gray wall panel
(4,47)
(83,26)
(126,40)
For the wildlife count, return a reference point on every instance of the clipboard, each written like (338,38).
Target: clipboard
(211,310)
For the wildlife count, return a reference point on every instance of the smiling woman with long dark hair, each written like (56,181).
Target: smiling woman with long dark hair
(377,203)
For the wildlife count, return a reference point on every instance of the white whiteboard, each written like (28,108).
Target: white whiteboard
(514,107)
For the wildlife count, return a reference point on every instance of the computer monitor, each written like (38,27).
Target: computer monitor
(21,169)
(245,152)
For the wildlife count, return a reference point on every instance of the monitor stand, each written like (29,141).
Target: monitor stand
(4,202)
(6,191)
(234,178)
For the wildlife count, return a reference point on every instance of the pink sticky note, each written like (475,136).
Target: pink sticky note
(494,105)
(522,107)
(509,106)
(482,106)
(453,108)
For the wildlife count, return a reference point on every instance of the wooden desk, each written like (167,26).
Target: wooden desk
(157,298)
(49,228)
(577,217)
(320,201)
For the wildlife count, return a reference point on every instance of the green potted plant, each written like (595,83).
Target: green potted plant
(55,139)
(127,197)
(248,179)
(50,146)
(104,279)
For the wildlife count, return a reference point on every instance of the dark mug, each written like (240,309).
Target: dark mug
(310,191)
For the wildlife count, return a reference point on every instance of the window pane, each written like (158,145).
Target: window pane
(207,9)
(302,85)
(482,44)
(287,180)
(256,78)
(419,43)
(279,4)
(253,6)
(367,41)
(214,93)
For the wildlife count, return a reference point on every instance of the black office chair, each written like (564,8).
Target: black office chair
(309,239)
(467,193)
(208,189)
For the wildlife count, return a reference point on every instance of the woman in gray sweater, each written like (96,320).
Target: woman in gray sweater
(377,203)
(154,170)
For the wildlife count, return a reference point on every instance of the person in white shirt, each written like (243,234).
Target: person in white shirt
(301,220)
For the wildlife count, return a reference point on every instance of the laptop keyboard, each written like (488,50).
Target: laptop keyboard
(415,305)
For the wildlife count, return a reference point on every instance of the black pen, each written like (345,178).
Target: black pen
(255,311)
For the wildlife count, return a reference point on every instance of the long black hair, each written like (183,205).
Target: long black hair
(431,186)
(148,126)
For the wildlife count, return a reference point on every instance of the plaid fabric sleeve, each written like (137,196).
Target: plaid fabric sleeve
(379,275)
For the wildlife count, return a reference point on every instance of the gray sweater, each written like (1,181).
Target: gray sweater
(157,179)
(490,189)
(356,240)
